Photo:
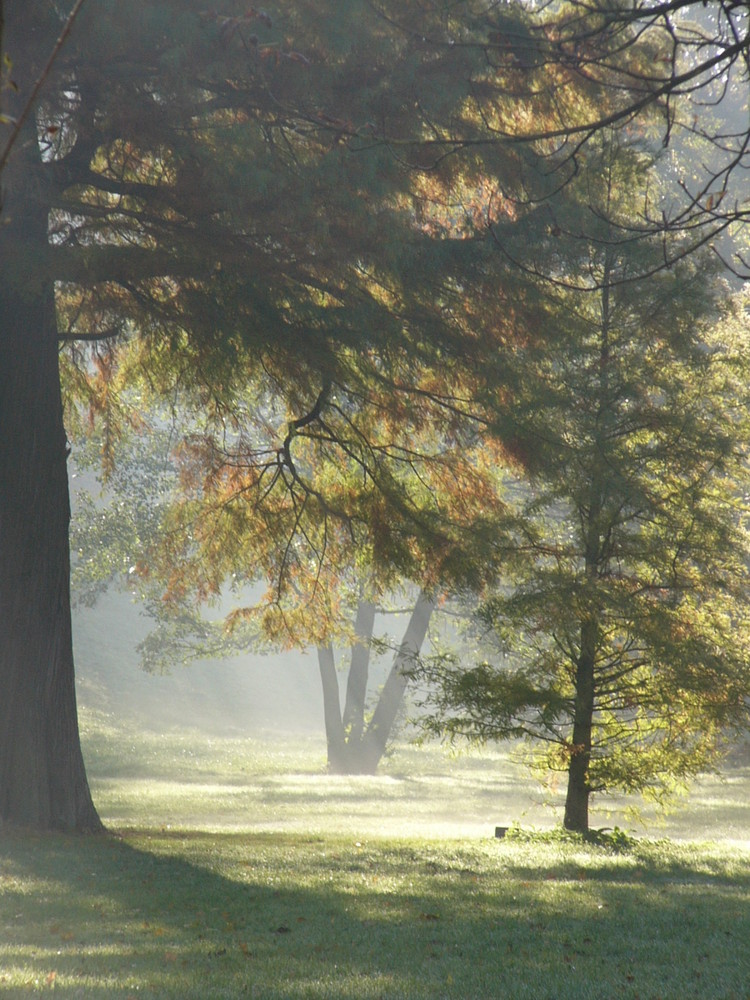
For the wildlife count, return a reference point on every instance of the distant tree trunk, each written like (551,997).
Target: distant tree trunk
(335,736)
(43,781)
(359,668)
(576,815)
(351,748)
(375,739)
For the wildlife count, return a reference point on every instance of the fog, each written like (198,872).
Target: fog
(233,696)
(256,696)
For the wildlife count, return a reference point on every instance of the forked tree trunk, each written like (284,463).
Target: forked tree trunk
(43,781)
(378,731)
(351,748)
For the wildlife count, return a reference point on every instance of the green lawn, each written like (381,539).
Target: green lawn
(187,779)
(238,870)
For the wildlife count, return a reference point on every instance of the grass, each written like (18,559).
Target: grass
(232,878)
(186,779)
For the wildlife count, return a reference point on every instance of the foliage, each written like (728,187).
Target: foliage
(554,347)
(614,839)
(277,285)
(216,205)
(556,77)
(333,311)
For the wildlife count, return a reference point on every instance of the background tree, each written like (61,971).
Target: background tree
(112,537)
(366,502)
(356,744)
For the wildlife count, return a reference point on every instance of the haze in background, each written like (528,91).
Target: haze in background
(234,696)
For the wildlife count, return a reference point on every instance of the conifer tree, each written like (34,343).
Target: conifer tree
(620,641)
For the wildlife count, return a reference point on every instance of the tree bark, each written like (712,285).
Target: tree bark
(576,817)
(350,750)
(43,781)
(359,668)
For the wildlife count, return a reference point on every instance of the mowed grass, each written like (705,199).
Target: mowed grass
(189,779)
(183,900)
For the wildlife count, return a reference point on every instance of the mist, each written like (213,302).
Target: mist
(236,696)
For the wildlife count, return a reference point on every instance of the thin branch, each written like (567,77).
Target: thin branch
(21,120)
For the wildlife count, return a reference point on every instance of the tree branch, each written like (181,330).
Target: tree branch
(19,123)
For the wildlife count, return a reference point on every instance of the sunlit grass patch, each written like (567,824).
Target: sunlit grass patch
(187,779)
(243,870)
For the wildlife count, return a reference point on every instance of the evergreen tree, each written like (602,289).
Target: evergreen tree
(620,643)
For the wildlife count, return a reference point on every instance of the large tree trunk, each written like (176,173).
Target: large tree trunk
(42,777)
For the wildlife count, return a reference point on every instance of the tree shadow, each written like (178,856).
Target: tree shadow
(202,916)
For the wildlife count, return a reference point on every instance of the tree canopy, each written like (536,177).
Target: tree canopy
(312,211)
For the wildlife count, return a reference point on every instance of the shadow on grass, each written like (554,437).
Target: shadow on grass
(269,916)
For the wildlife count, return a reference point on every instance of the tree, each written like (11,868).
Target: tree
(114,535)
(173,177)
(291,526)
(30,100)
(621,643)
(354,745)
(168,187)
(144,195)
(42,777)
(362,509)
(167,191)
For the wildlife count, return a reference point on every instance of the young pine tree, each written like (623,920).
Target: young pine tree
(620,646)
